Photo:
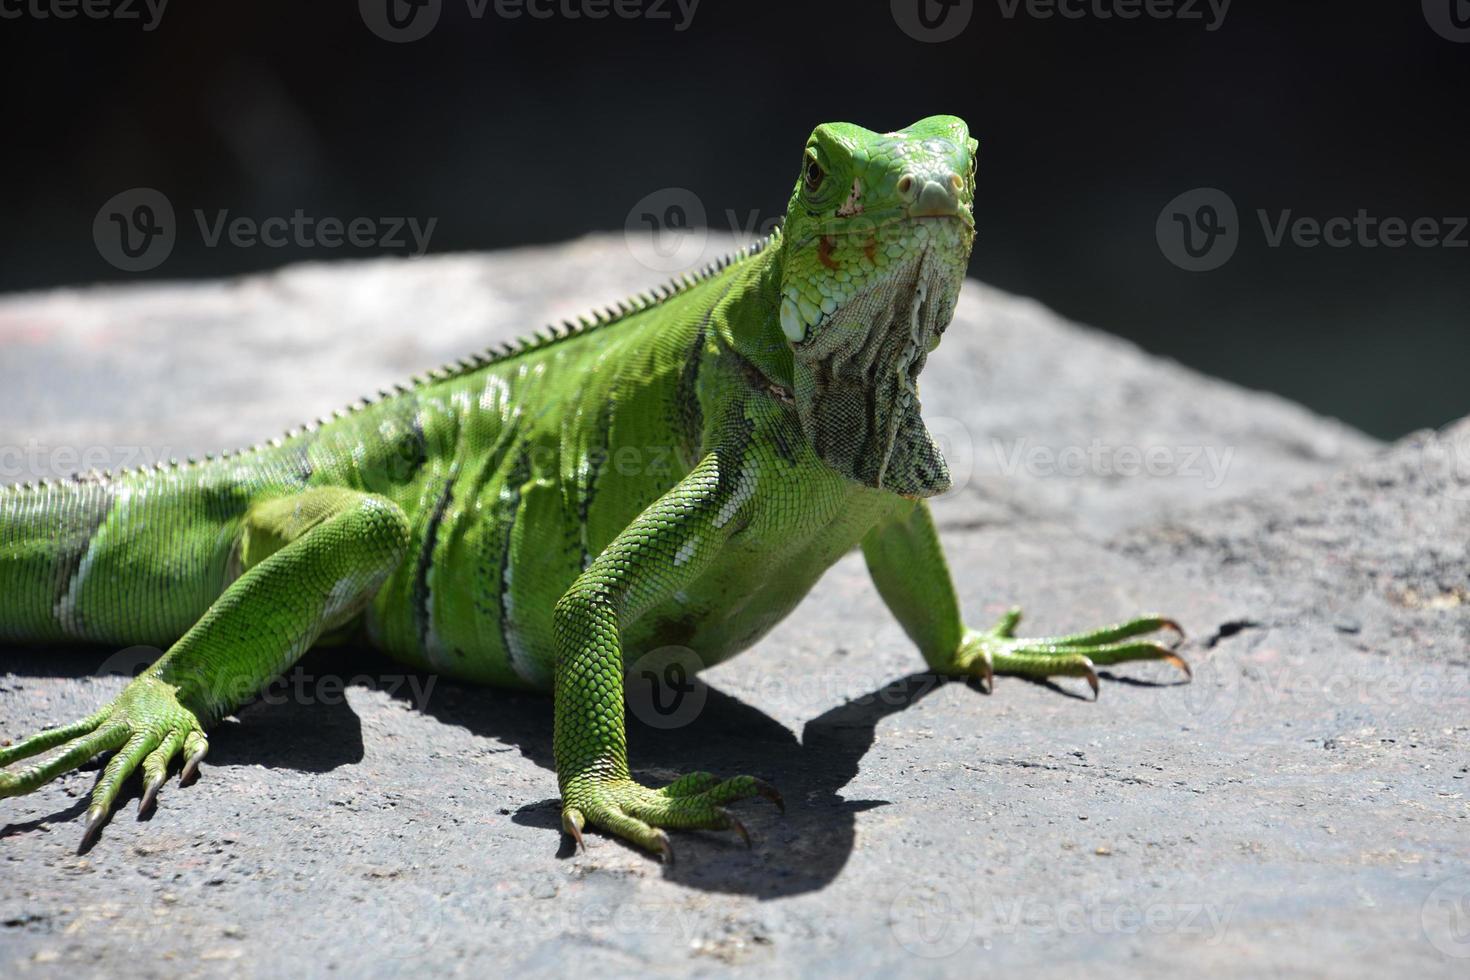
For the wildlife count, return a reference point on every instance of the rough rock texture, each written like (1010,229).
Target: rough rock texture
(1300,808)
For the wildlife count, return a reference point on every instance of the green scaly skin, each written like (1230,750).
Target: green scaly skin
(678,471)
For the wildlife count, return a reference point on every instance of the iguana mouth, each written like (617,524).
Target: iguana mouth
(870,222)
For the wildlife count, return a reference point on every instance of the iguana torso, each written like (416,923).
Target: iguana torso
(514,471)
(677,473)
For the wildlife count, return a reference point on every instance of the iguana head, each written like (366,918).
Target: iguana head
(875,246)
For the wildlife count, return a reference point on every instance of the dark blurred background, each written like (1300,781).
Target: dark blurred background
(512,131)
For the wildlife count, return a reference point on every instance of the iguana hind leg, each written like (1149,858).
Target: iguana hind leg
(310,561)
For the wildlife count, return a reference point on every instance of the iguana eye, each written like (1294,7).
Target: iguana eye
(814,174)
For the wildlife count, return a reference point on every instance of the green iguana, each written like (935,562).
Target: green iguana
(484,523)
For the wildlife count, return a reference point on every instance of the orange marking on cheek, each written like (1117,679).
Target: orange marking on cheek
(871,251)
(824,252)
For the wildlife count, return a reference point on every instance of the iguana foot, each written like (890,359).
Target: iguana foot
(999,651)
(146,724)
(639,814)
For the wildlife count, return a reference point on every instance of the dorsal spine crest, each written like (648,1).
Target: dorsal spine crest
(551,334)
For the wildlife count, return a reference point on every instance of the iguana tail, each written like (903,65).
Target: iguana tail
(128,559)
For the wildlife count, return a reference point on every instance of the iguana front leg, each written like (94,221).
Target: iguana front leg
(310,561)
(664,549)
(907,564)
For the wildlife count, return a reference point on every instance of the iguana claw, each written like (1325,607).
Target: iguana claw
(739,828)
(1178,661)
(640,815)
(999,651)
(572,822)
(771,793)
(96,817)
(144,726)
(150,795)
(198,747)
(1092,681)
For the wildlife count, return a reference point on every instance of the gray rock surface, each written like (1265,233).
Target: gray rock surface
(1300,808)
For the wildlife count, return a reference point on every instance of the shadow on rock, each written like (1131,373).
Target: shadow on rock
(304,722)
(800,852)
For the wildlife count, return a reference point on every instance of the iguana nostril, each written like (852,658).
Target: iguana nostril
(906,187)
(936,199)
